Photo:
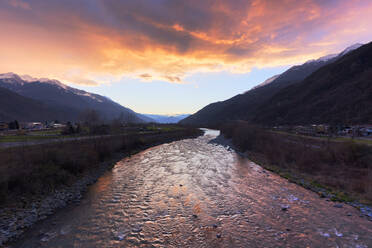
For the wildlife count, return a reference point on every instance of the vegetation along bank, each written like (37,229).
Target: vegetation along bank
(338,170)
(36,180)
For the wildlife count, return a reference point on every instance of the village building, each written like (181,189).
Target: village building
(33,125)
(4,126)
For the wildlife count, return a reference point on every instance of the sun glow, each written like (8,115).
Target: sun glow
(168,41)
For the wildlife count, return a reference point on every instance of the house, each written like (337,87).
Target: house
(346,131)
(54,124)
(58,125)
(321,129)
(313,130)
(366,131)
(34,125)
(305,130)
(4,126)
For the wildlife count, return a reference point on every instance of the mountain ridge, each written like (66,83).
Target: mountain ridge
(247,105)
(17,107)
(338,93)
(167,119)
(67,99)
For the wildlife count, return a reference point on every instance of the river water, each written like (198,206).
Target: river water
(196,193)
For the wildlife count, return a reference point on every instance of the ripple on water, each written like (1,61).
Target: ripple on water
(193,193)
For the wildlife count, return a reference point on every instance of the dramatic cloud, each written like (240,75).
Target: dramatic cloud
(19,4)
(85,40)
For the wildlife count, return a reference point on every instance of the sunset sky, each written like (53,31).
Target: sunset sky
(171,56)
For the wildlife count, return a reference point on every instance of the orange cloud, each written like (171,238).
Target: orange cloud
(19,4)
(168,40)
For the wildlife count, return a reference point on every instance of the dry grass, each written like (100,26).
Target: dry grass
(40,169)
(340,166)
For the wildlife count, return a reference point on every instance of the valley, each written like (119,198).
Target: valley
(175,123)
(197,193)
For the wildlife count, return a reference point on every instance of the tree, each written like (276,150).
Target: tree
(91,118)
(131,118)
(78,128)
(13,125)
(69,129)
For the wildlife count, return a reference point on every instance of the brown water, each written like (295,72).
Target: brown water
(193,193)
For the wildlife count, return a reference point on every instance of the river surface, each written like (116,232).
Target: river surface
(196,193)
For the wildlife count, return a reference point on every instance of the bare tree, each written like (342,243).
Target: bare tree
(91,117)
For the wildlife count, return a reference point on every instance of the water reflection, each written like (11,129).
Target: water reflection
(194,193)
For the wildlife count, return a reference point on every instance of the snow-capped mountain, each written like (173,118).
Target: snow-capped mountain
(257,101)
(336,55)
(267,81)
(300,72)
(15,81)
(350,48)
(16,107)
(64,98)
(323,59)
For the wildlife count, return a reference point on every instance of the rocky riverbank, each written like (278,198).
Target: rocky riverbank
(18,215)
(190,193)
(338,197)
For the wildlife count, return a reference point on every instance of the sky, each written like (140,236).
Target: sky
(173,56)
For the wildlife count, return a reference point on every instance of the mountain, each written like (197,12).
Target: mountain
(67,101)
(338,93)
(16,107)
(167,118)
(267,81)
(246,106)
(146,118)
(350,48)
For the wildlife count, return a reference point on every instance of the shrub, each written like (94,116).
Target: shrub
(49,176)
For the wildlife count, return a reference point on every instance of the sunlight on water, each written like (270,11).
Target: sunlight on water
(195,193)
(210,132)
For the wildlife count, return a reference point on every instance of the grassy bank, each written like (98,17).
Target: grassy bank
(342,169)
(357,140)
(29,171)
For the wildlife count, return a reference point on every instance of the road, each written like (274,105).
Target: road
(61,139)
(196,193)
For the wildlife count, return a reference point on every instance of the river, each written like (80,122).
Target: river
(196,193)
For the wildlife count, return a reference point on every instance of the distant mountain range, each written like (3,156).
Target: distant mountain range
(32,99)
(331,89)
(167,118)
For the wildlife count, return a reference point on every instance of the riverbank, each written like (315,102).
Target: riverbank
(340,172)
(44,178)
(191,193)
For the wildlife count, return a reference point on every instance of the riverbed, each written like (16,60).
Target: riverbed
(197,193)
